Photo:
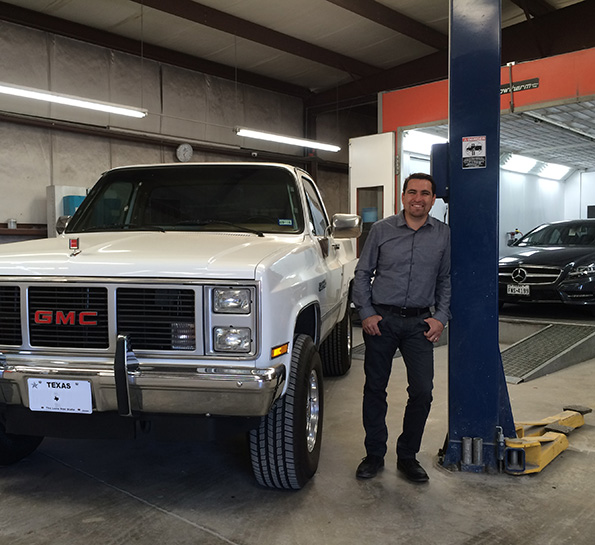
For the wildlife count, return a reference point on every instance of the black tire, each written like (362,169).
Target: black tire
(16,447)
(335,350)
(285,448)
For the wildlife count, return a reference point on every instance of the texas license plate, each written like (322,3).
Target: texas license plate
(518,289)
(60,396)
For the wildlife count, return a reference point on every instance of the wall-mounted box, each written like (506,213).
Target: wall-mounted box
(71,202)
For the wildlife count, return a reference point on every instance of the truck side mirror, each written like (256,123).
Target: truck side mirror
(62,223)
(346,226)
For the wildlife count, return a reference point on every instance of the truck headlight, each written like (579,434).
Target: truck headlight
(231,300)
(232,339)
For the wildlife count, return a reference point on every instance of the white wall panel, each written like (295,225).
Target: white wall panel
(78,161)
(580,194)
(225,107)
(181,103)
(24,59)
(80,70)
(25,171)
(271,112)
(127,153)
(527,201)
(24,62)
(184,98)
(572,197)
(135,82)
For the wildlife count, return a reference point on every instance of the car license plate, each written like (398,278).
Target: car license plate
(518,289)
(59,395)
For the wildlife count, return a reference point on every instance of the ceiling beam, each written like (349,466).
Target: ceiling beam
(385,16)
(204,15)
(558,32)
(534,8)
(432,67)
(61,27)
(564,30)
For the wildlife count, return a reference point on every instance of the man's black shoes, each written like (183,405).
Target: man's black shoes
(369,467)
(410,467)
(412,470)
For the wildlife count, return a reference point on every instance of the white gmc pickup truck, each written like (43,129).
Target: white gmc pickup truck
(181,300)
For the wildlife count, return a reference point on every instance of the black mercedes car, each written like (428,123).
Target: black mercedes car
(555,262)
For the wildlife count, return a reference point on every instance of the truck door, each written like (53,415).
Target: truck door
(330,275)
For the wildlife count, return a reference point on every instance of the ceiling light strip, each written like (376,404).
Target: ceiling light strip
(271,137)
(67,100)
(558,124)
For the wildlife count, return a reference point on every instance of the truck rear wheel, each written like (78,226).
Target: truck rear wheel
(285,448)
(335,350)
(16,447)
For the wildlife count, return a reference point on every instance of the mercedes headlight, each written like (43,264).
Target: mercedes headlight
(587,270)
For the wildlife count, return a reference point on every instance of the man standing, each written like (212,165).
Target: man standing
(403,270)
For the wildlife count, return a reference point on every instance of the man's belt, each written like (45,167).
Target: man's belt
(404,312)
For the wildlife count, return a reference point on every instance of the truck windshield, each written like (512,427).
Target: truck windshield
(254,198)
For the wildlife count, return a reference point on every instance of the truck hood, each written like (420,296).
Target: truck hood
(144,254)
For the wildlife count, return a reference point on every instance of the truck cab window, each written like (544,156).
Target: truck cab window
(316,210)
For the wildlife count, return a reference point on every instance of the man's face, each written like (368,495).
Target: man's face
(418,198)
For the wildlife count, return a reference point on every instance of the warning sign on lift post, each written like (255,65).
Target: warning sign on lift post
(474,151)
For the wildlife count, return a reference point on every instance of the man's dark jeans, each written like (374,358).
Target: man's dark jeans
(407,335)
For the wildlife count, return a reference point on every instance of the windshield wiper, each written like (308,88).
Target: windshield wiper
(110,227)
(121,227)
(135,227)
(202,223)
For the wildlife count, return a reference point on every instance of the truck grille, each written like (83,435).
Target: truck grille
(10,315)
(71,317)
(157,319)
(77,317)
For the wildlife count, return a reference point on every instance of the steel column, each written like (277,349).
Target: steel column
(478,397)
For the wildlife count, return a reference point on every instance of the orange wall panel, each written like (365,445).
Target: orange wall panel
(561,79)
(415,105)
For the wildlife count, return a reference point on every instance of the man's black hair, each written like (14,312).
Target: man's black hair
(420,176)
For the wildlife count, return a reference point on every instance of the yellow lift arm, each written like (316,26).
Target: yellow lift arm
(538,443)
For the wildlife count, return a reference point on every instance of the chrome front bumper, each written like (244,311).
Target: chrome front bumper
(130,387)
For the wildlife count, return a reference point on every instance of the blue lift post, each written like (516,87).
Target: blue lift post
(480,415)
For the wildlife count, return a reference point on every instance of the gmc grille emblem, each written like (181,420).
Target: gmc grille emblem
(47,317)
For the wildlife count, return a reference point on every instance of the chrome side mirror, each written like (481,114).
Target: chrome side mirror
(346,226)
(62,223)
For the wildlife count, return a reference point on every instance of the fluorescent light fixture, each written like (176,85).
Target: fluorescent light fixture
(519,163)
(420,142)
(527,165)
(67,100)
(270,137)
(553,171)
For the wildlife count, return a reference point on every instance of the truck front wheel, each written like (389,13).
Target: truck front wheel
(16,447)
(285,448)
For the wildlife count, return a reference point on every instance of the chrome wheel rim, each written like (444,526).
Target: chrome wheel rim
(349,332)
(312,411)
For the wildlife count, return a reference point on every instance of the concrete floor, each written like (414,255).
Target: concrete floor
(144,492)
